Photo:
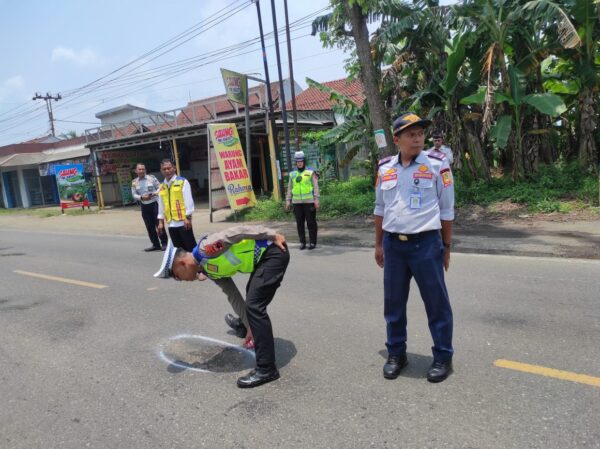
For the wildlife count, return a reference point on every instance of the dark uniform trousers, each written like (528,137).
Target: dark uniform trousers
(421,258)
(260,290)
(183,238)
(306,212)
(149,215)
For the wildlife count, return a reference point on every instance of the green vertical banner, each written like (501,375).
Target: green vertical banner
(235,86)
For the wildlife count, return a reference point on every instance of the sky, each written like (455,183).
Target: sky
(61,46)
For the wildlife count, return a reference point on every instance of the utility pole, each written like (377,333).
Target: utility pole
(286,131)
(48,99)
(268,81)
(291,66)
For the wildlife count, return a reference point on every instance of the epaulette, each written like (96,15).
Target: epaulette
(385,160)
(436,155)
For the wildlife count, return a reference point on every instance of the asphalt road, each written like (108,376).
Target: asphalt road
(82,366)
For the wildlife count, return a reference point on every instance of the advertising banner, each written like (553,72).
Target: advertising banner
(232,165)
(235,86)
(124,178)
(72,186)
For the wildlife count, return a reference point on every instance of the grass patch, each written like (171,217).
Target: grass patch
(339,199)
(555,188)
(46,212)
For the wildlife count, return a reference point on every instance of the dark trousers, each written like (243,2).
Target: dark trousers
(422,259)
(262,285)
(306,212)
(183,238)
(149,213)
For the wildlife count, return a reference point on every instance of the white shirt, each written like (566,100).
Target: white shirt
(416,198)
(142,186)
(446,150)
(187,200)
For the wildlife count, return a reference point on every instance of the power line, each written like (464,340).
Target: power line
(166,71)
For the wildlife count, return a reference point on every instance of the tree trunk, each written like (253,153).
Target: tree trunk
(369,74)
(480,163)
(587,126)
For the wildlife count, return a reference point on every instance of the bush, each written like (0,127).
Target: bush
(338,199)
(546,192)
(541,193)
(347,198)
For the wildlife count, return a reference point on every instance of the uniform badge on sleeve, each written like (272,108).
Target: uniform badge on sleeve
(446,177)
(212,267)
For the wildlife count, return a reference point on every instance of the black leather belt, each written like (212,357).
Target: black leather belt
(409,237)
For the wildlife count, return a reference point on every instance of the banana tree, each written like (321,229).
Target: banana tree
(517,102)
(579,33)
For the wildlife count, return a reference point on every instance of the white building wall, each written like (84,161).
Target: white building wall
(23,189)
(3,188)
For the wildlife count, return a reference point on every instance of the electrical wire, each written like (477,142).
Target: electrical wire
(169,71)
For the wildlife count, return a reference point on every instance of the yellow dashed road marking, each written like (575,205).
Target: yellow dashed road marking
(59,279)
(549,372)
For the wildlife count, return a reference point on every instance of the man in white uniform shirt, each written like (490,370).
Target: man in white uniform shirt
(175,206)
(414,210)
(145,189)
(438,145)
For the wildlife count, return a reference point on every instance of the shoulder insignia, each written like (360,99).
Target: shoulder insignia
(436,155)
(385,160)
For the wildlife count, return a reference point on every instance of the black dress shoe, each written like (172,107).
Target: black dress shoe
(255,378)
(312,246)
(439,371)
(302,246)
(394,365)
(237,325)
(152,248)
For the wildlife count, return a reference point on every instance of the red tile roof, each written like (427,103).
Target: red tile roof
(312,99)
(201,110)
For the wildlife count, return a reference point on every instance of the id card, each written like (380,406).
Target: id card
(415,200)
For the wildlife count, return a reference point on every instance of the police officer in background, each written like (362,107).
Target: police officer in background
(175,206)
(144,189)
(303,193)
(414,210)
(438,145)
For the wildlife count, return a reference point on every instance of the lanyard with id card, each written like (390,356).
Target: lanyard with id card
(415,200)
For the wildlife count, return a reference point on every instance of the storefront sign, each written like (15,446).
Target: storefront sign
(72,187)
(235,86)
(232,165)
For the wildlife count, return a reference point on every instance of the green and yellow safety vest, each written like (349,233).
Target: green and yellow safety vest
(302,185)
(239,258)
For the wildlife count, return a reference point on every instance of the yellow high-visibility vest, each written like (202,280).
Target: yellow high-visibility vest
(172,199)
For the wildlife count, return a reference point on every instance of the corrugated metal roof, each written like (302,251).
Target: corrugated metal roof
(24,159)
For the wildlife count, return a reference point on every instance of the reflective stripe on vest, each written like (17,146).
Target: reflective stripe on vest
(239,258)
(172,199)
(302,189)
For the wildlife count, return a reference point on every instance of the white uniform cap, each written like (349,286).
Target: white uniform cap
(167,262)
(299,155)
